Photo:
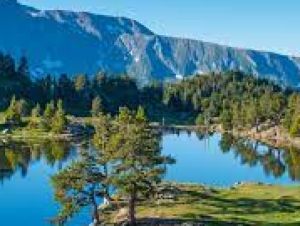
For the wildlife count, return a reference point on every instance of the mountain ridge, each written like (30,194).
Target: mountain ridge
(59,41)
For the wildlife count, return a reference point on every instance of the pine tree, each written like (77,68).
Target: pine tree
(23,68)
(226,119)
(59,121)
(101,139)
(49,111)
(47,117)
(79,185)
(97,107)
(87,180)
(35,116)
(141,115)
(12,114)
(138,163)
(200,120)
(80,83)
(252,114)
(295,126)
(23,108)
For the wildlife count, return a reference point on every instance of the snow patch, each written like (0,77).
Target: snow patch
(136,59)
(86,24)
(38,14)
(200,72)
(179,77)
(57,17)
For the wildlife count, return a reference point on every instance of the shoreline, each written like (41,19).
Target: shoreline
(28,135)
(274,136)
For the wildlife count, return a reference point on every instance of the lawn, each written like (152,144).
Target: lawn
(249,204)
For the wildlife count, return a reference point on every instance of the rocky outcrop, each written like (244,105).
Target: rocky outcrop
(79,42)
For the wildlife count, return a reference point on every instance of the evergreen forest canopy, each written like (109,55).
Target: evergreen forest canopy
(233,98)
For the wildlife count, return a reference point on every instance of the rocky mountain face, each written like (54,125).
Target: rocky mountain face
(79,42)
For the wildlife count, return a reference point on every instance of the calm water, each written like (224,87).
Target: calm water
(222,161)
(26,196)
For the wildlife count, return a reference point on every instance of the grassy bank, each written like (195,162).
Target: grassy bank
(274,136)
(248,204)
(76,128)
(34,134)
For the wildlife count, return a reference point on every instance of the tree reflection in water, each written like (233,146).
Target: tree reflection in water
(18,156)
(274,161)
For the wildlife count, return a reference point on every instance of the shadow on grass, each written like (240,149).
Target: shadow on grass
(205,221)
(236,211)
(184,222)
(247,206)
(210,197)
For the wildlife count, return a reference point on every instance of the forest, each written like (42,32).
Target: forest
(234,99)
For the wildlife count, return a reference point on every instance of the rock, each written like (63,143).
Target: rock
(122,215)
(237,184)
(5,131)
(106,204)
(167,192)
(93,223)
(140,52)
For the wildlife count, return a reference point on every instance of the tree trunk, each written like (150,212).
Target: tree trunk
(132,201)
(106,186)
(256,125)
(95,211)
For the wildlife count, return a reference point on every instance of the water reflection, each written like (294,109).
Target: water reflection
(275,161)
(200,157)
(19,156)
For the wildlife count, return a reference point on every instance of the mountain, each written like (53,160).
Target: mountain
(57,42)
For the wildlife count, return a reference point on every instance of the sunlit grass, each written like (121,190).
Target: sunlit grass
(245,204)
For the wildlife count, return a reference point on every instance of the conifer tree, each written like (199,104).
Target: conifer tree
(49,110)
(295,126)
(35,116)
(46,119)
(59,121)
(23,108)
(226,119)
(79,185)
(101,139)
(138,163)
(12,114)
(23,68)
(97,107)
(200,120)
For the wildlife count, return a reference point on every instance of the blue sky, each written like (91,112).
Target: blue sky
(272,25)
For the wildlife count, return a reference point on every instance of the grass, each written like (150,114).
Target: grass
(24,132)
(249,204)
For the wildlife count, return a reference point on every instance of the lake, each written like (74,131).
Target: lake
(26,195)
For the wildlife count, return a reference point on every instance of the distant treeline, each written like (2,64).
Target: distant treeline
(233,98)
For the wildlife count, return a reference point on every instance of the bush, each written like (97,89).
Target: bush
(200,120)
(12,114)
